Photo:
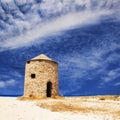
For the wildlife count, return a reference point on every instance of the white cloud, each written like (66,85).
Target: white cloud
(11,82)
(2,84)
(112,75)
(117,84)
(15,74)
(49,27)
(8,83)
(31,27)
(97,60)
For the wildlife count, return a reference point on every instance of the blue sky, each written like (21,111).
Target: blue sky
(83,36)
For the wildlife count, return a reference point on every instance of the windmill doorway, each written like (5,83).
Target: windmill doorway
(49,89)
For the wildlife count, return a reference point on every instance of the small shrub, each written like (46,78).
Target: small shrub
(102,98)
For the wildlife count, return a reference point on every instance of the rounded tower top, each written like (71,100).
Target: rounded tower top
(42,57)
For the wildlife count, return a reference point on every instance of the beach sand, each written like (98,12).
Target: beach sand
(72,108)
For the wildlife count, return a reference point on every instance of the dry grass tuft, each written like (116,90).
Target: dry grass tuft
(82,104)
(58,97)
(102,98)
(114,98)
(62,106)
(23,98)
(32,97)
(90,104)
(117,113)
(59,106)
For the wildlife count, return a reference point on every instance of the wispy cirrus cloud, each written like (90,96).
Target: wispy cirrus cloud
(112,75)
(52,26)
(95,64)
(25,22)
(7,80)
(2,84)
(8,83)
(117,84)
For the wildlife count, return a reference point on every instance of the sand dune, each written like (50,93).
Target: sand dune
(59,109)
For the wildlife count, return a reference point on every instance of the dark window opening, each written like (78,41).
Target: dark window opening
(32,75)
(49,89)
(28,62)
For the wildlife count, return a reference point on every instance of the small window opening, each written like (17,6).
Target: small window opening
(28,62)
(32,75)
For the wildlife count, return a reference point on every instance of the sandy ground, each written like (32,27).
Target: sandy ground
(13,109)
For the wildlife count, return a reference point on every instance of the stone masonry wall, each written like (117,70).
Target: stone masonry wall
(45,71)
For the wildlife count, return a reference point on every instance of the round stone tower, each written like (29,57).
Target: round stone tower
(41,77)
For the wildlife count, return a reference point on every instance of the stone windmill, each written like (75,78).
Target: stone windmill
(41,77)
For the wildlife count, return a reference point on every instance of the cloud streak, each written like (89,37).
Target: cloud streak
(59,24)
(7,83)
(22,27)
(94,64)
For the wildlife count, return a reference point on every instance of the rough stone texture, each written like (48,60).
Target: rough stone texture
(45,71)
